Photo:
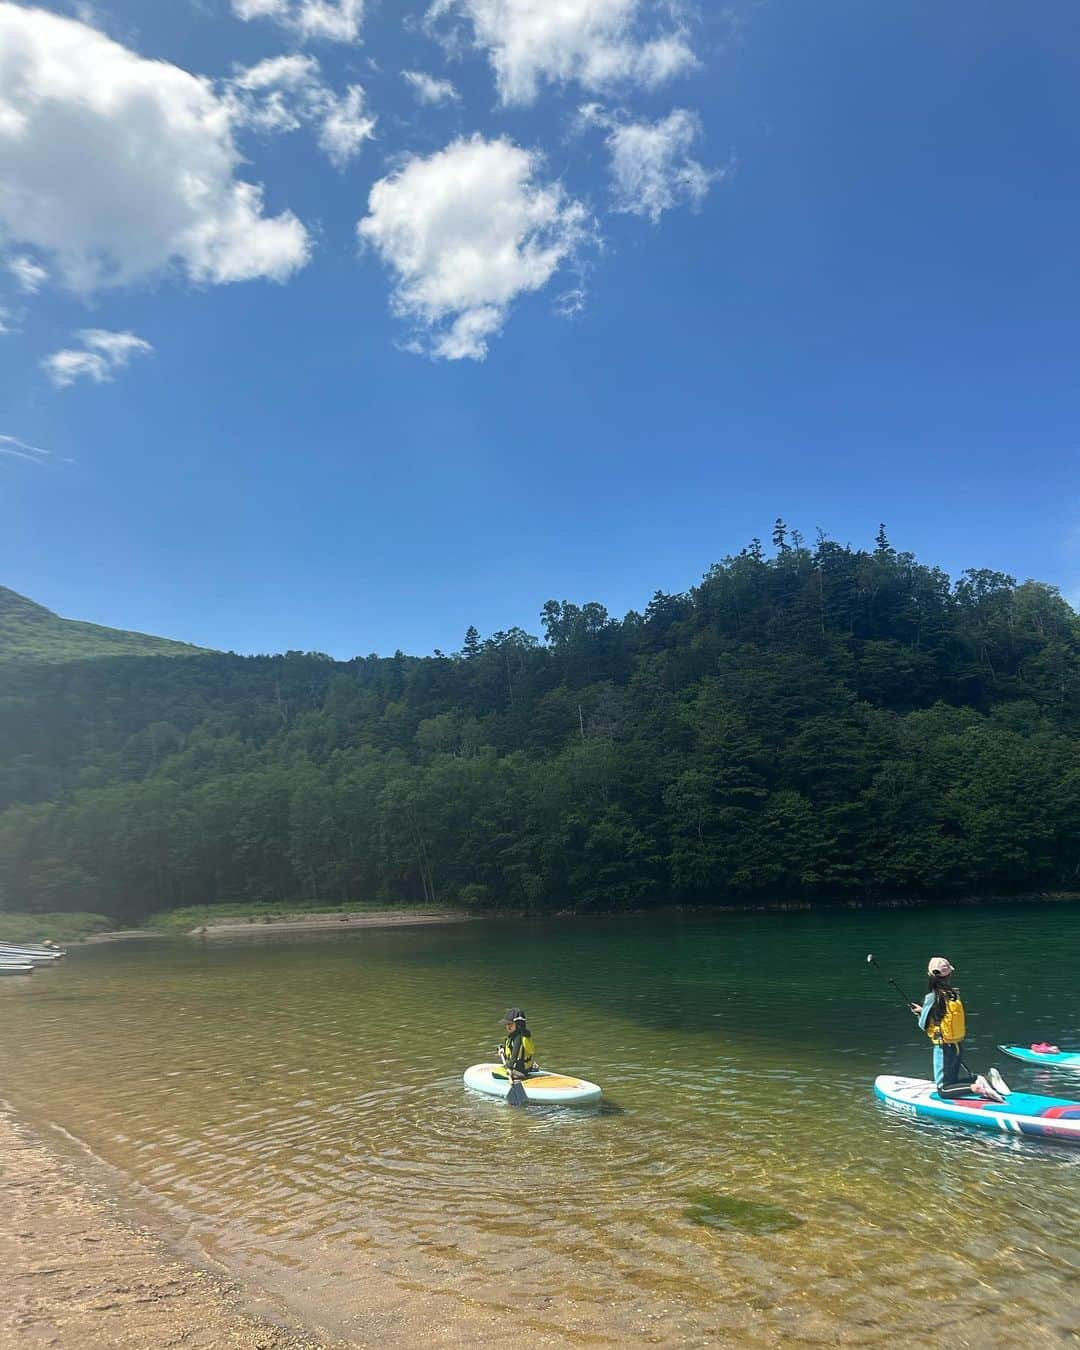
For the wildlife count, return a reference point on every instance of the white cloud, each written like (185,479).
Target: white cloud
(285,93)
(428,89)
(16,449)
(651,168)
(102,354)
(117,168)
(117,348)
(467,230)
(595,43)
(346,127)
(571,303)
(28,274)
(276,94)
(6,321)
(333,20)
(65,367)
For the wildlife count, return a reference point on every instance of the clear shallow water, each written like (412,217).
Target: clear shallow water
(297,1102)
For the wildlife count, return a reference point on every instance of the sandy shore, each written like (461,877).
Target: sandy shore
(75,1273)
(389,918)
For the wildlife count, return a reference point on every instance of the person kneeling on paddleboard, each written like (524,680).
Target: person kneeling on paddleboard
(517,1052)
(941,1016)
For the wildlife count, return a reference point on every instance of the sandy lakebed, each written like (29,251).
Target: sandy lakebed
(80,1269)
(88,1263)
(83,1268)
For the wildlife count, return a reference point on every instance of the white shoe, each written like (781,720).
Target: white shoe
(982,1088)
(998,1083)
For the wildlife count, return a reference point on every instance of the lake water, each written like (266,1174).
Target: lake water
(296,1102)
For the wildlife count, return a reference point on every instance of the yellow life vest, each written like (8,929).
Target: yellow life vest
(522,1056)
(951,1029)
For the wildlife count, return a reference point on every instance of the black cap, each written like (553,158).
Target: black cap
(513,1015)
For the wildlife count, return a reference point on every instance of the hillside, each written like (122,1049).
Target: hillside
(827,723)
(30,632)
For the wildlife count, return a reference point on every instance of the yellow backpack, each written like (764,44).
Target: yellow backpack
(952,1028)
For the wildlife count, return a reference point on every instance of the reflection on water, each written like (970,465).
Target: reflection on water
(298,1101)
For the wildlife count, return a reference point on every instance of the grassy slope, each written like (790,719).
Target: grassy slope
(59,927)
(30,632)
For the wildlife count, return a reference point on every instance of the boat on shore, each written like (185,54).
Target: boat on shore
(10,951)
(16,967)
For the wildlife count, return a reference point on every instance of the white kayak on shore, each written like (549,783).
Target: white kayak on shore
(493,1081)
(8,967)
(40,956)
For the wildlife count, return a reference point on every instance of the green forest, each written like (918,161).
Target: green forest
(809,722)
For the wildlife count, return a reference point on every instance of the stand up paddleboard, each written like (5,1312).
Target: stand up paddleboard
(492,1080)
(1020,1113)
(1059,1059)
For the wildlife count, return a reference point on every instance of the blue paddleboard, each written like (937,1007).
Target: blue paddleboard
(1063,1059)
(1021,1112)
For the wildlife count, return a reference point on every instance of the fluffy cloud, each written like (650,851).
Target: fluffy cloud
(116,167)
(278,94)
(466,231)
(102,354)
(346,127)
(29,276)
(596,43)
(333,20)
(428,89)
(285,93)
(651,168)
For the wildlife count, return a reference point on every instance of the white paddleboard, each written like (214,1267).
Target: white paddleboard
(492,1080)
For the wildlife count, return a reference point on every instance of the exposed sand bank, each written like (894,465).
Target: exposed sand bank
(81,1270)
(75,1273)
(389,918)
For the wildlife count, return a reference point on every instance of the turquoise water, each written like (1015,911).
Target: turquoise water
(296,1102)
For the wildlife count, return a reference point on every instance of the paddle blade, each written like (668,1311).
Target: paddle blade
(516,1096)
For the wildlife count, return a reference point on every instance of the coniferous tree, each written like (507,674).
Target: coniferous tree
(827,724)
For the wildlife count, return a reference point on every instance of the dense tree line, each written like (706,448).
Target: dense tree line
(815,722)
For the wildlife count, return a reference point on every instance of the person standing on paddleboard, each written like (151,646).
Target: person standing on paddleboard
(941,1016)
(517,1052)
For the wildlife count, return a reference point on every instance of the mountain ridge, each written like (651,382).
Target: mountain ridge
(824,724)
(30,632)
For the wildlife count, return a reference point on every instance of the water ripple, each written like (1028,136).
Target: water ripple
(283,1098)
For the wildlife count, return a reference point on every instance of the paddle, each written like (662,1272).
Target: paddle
(516,1096)
(870,959)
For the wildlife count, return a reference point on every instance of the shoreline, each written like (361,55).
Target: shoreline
(794,906)
(92,1261)
(81,1272)
(388,918)
(330,920)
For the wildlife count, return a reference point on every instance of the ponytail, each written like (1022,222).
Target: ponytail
(938,985)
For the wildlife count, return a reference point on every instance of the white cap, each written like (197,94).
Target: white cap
(940,965)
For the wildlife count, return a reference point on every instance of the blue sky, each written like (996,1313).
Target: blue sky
(820,258)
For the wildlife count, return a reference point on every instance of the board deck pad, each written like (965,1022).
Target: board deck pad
(545,1080)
